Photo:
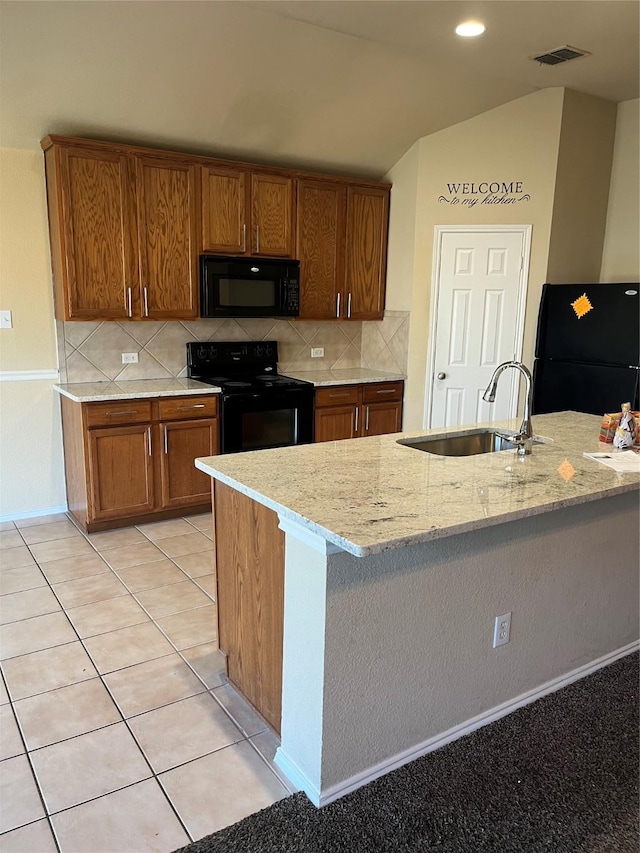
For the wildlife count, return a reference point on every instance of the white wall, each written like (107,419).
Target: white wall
(31,466)
(405,652)
(621,255)
(518,141)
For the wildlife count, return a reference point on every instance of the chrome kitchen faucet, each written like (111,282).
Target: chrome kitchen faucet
(524,438)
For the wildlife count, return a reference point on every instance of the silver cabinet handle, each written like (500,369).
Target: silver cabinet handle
(366,423)
(257,238)
(150,449)
(166,442)
(129,310)
(349,305)
(146,302)
(442,376)
(339,394)
(386,391)
(123,412)
(338,306)
(244,238)
(355,429)
(194,406)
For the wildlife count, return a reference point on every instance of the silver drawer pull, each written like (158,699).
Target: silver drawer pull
(195,406)
(123,412)
(386,391)
(340,394)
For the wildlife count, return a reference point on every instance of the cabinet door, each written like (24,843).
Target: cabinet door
(181,483)
(93,233)
(120,472)
(320,247)
(381,418)
(167,233)
(272,215)
(336,422)
(366,252)
(224,210)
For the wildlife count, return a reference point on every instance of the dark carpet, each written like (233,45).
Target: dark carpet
(558,775)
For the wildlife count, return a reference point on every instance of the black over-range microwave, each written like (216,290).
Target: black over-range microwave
(248,287)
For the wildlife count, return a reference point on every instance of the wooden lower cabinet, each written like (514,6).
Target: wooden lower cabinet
(131,461)
(181,483)
(249,560)
(355,411)
(120,471)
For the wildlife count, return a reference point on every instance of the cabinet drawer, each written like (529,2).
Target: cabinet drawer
(117,412)
(378,392)
(179,408)
(338,395)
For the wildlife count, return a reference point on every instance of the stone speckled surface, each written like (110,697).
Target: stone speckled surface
(95,392)
(344,376)
(368,495)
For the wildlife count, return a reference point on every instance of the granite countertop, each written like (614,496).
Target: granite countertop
(345,376)
(367,495)
(94,392)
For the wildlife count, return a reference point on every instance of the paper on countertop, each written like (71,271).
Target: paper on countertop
(622,461)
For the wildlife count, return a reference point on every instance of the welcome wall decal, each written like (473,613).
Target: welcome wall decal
(485,192)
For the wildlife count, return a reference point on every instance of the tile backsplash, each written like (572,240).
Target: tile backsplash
(92,352)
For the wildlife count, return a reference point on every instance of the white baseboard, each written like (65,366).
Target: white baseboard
(297,777)
(334,792)
(34,513)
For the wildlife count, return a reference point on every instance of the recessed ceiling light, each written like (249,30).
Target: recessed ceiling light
(469,29)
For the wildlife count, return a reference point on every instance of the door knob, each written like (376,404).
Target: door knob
(442,376)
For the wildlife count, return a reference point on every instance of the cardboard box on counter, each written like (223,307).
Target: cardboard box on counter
(610,423)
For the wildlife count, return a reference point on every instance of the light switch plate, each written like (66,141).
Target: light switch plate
(5,320)
(129,357)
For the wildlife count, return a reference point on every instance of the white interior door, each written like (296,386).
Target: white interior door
(479,318)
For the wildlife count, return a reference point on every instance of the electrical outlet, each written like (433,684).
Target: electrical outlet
(5,320)
(317,352)
(129,357)
(502,630)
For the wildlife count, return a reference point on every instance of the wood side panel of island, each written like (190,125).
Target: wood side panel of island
(249,560)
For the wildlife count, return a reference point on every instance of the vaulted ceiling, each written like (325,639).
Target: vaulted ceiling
(346,86)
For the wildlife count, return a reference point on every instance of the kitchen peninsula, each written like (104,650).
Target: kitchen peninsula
(396,564)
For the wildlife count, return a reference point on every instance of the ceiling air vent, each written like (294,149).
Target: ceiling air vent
(560,54)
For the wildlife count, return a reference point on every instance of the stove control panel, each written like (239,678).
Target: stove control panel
(214,354)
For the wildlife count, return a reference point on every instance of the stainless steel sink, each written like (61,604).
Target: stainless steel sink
(464,444)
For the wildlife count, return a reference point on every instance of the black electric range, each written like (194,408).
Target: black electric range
(259,407)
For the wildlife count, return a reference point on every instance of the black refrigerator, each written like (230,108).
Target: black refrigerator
(587,348)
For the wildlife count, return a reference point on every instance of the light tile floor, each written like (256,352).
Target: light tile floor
(118,731)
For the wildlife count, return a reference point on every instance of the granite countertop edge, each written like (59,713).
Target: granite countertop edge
(96,392)
(364,510)
(345,376)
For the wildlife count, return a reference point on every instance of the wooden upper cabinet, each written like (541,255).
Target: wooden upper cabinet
(127,225)
(93,232)
(224,210)
(342,247)
(247,213)
(366,252)
(320,247)
(272,215)
(167,236)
